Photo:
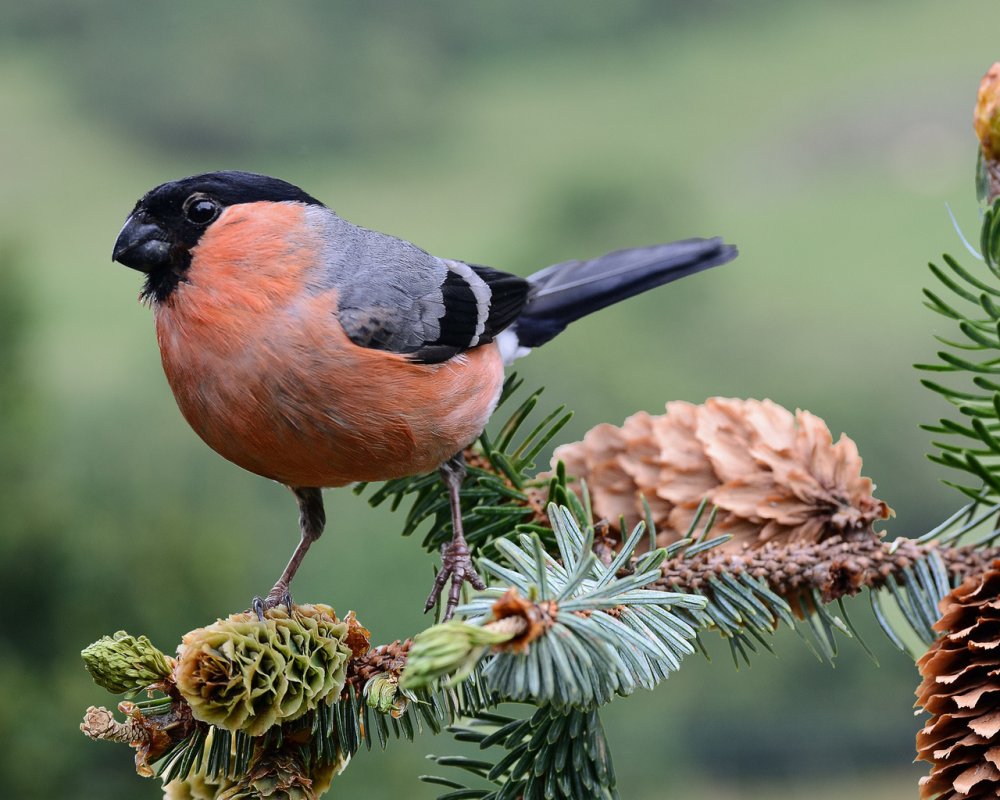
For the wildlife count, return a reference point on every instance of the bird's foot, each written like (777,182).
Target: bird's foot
(456,563)
(278,596)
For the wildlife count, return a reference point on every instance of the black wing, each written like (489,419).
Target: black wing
(479,302)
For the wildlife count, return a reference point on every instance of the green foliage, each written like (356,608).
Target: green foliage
(971,445)
(554,754)
(915,595)
(973,302)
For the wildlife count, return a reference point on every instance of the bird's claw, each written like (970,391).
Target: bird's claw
(278,596)
(456,563)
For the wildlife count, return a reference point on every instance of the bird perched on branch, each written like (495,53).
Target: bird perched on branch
(318,353)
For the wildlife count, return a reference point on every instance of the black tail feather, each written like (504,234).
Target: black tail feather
(563,293)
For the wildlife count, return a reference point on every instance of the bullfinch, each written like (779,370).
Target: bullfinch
(317,353)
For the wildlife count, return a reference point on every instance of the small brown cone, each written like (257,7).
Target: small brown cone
(961,691)
(275,775)
(774,475)
(986,122)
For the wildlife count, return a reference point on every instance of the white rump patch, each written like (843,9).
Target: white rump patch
(510,348)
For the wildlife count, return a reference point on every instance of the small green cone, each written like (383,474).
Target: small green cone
(383,694)
(451,649)
(123,663)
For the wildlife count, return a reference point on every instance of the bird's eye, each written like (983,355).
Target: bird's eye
(200,209)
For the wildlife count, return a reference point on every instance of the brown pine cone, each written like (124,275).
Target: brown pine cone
(961,690)
(774,475)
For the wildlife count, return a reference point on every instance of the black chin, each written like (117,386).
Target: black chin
(160,284)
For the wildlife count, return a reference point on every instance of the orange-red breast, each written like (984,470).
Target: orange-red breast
(318,353)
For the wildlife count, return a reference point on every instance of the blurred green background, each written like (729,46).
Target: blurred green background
(824,138)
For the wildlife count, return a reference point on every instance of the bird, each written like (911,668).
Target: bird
(318,353)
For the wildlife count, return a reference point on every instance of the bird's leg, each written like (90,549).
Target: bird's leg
(456,561)
(312,519)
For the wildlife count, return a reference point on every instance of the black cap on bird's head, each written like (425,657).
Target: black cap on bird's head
(169,220)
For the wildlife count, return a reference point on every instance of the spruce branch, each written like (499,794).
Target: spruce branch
(789,564)
(971,445)
(574,618)
(557,754)
(836,567)
(910,574)
(585,633)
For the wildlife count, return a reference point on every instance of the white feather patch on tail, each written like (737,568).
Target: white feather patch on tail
(510,348)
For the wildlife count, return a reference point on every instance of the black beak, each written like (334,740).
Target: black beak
(142,244)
